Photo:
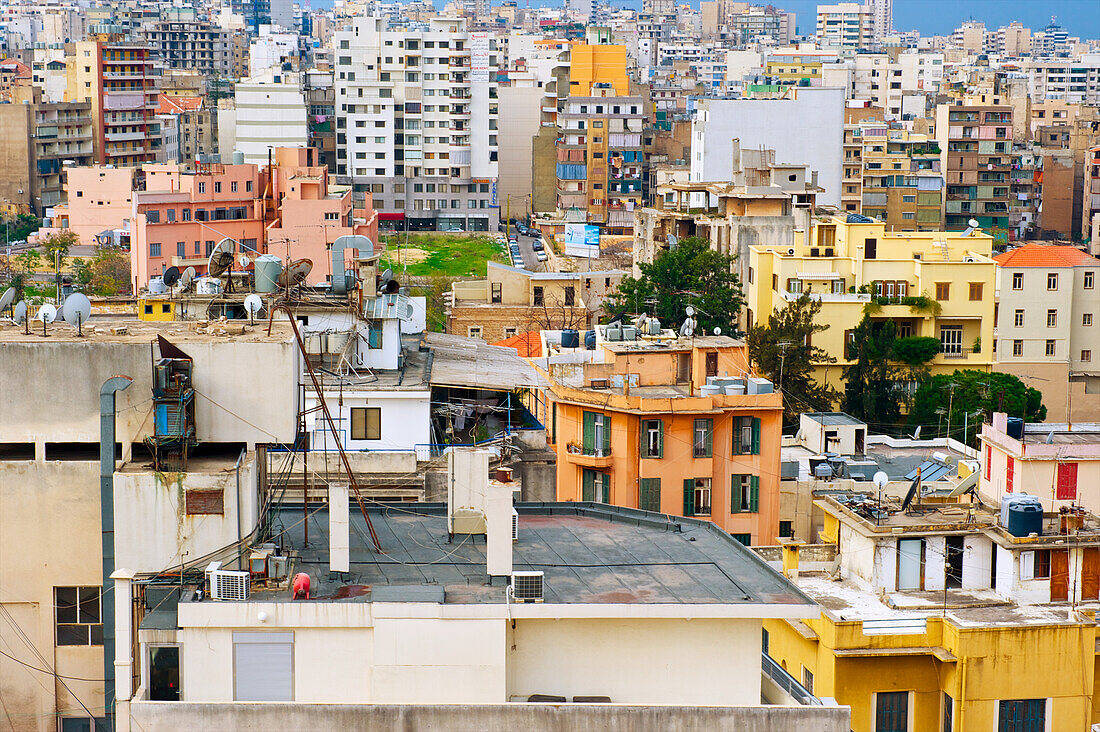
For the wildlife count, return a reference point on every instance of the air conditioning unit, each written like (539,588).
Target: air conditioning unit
(527,586)
(515,525)
(227,585)
(815,252)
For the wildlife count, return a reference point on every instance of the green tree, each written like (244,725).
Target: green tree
(871,383)
(690,274)
(110,272)
(29,260)
(59,244)
(794,325)
(20,227)
(83,271)
(974,393)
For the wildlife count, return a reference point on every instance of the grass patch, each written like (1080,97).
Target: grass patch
(453,255)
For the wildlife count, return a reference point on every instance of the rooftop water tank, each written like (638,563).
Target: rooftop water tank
(709,390)
(157,286)
(1022,515)
(735,388)
(570,338)
(1016,428)
(268,269)
(590,340)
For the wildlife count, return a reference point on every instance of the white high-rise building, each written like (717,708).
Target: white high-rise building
(416,121)
(845,25)
(882,17)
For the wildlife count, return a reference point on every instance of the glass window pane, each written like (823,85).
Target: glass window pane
(89,605)
(72,635)
(66,604)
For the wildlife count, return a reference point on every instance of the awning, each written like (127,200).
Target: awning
(390,216)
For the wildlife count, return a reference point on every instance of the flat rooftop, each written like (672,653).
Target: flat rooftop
(590,554)
(835,418)
(671,345)
(113,329)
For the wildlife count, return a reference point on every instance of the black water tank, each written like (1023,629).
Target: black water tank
(570,338)
(1025,519)
(1016,428)
(590,340)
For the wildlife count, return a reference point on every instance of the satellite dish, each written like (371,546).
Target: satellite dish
(221,259)
(187,278)
(171,276)
(47,313)
(1050,438)
(389,284)
(253,304)
(7,298)
(387,275)
(689,310)
(717,331)
(880,480)
(243,260)
(76,311)
(687,330)
(20,313)
(295,273)
(916,433)
(910,494)
(672,241)
(973,223)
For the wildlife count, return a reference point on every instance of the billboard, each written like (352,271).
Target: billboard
(479,58)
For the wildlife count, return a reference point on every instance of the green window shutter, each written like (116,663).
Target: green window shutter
(660,441)
(735,493)
(554,423)
(755,435)
(589,445)
(710,437)
(607,434)
(643,436)
(689,496)
(649,494)
(606,480)
(754,494)
(588,488)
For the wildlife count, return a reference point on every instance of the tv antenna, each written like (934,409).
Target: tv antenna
(253,304)
(76,311)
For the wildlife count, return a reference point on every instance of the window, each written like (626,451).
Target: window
(1052,280)
(807,680)
(1086,319)
(570,296)
(746,436)
(152,217)
(154,249)
(537,296)
(1035,565)
(786,529)
(652,438)
(1018,318)
(217,186)
(1050,347)
(1052,318)
(649,494)
(497,292)
(765,641)
(596,434)
(77,616)
(744,493)
(892,711)
(366,423)
(474,331)
(1089,280)
(1017,280)
(943,290)
(1017,348)
(745,539)
(1066,484)
(510,332)
(233,186)
(948,713)
(697,496)
(1022,715)
(1086,355)
(951,339)
(595,486)
(202,186)
(975,291)
(704,433)
(263,666)
(181,249)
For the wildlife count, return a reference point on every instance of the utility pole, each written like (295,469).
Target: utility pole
(783,346)
(950,401)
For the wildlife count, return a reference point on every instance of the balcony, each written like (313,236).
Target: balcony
(590,459)
(956,353)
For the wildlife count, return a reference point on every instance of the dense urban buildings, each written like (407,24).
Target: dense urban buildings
(426,366)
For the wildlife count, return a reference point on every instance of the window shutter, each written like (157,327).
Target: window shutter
(643,438)
(554,423)
(1067,482)
(263,666)
(588,491)
(607,434)
(660,440)
(710,435)
(589,433)
(605,479)
(735,493)
(689,496)
(754,494)
(649,494)
(755,435)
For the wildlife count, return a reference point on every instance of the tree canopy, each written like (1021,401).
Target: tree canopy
(795,326)
(872,391)
(107,273)
(976,393)
(689,274)
(59,243)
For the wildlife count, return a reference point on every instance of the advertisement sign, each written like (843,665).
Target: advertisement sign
(479,58)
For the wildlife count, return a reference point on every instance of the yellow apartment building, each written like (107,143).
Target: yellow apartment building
(597,63)
(940,618)
(932,284)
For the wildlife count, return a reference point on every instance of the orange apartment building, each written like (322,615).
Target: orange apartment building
(290,212)
(632,427)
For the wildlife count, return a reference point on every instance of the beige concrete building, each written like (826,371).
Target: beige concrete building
(902,183)
(521,112)
(1048,327)
(512,301)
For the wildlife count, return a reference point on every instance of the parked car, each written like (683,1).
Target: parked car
(541,255)
(537,245)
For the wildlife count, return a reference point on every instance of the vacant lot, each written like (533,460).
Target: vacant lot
(454,255)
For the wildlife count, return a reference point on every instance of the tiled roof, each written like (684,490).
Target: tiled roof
(175,105)
(1045,255)
(528,345)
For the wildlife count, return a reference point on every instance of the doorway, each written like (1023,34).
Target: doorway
(954,562)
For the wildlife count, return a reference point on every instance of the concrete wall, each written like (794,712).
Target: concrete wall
(520,111)
(171,716)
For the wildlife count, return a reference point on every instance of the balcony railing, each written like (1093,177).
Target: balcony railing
(786,682)
(957,352)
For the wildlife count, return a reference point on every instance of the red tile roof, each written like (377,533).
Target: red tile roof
(176,105)
(1045,255)
(527,345)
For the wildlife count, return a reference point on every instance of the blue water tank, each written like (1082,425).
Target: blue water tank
(1016,428)
(1022,515)
(590,340)
(570,338)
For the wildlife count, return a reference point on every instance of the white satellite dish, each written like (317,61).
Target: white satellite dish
(76,311)
(687,330)
(187,278)
(717,331)
(20,313)
(7,298)
(880,480)
(253,304)
(243,260)
(47,313)
(689,310)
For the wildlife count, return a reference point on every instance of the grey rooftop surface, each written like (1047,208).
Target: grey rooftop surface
(834,418)
(590,553)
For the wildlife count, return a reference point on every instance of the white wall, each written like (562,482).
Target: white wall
(406,417)
(858,553)
(642,661)
(977,562)
(935,550)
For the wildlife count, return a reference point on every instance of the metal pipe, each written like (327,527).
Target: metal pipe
(107,519)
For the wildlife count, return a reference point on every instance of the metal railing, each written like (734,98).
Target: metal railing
(956,351)
(788,683)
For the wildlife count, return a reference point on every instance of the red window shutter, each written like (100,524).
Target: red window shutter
(1008,474)
(1067,482)
(988,461)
